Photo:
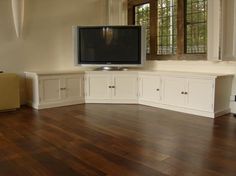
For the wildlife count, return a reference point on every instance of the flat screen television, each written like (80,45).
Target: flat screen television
(118,46)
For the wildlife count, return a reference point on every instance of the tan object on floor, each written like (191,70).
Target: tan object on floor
(9,91)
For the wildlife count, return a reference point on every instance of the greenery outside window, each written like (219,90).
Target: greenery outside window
(142,17)
(166,28)
(196,26)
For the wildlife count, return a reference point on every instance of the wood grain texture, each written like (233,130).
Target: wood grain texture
(115,140)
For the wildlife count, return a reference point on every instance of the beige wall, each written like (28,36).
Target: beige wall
(47,35)
(47,40)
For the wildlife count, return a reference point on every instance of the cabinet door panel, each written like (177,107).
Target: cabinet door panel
(200,94)
(173,88)
(126,87)
(98,86)
(150,88)
(50,89)
(74,87)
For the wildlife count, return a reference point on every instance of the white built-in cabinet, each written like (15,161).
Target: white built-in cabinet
(51,90)
(195,93)
(199,94)
(174,92)
(111,87)
(150,87)
(190,93)
(98,87)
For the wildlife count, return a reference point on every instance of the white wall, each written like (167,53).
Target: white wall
(47,36)
(229,30)
(47,33)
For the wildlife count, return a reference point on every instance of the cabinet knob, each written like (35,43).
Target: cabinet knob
(113,87)
(157,89)
(63,88)
(185,93)
(110,87)
(182,92)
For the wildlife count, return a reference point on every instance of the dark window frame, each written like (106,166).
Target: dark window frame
(181,37)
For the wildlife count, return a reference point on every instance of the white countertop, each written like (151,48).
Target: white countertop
(164,72)
(56,72)
(158,72)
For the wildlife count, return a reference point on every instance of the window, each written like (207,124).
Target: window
(196,26)
(142,17)
(176,28)
(166,30)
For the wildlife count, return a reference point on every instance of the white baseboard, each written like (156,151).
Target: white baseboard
(179,109)
(114,101)
(222,112)
(52,105)
(142,102)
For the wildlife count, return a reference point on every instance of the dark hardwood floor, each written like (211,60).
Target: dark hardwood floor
(115,140)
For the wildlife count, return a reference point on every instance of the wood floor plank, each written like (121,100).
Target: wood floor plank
(115,140)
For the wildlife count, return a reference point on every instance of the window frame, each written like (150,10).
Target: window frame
(185,28)
(134,21)
(181,24)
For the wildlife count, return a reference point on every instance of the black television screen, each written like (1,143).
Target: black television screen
(109,45)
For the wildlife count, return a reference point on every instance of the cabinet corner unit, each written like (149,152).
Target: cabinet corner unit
(111,87)
(194,93)
(46,90)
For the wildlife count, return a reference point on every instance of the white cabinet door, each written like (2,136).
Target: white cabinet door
(174,91)
(125,86)
(200,94)
(50,89)
(98,86)
(74,87)
(150,88)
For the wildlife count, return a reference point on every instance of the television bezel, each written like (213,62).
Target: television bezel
(109,64)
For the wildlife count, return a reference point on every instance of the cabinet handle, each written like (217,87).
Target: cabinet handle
(63,88)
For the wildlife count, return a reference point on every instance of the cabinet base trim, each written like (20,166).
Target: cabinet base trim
(141,102)
(111,101)
(179,109)
(53,105)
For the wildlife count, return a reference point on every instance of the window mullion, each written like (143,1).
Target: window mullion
(180,28)
(153,27)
